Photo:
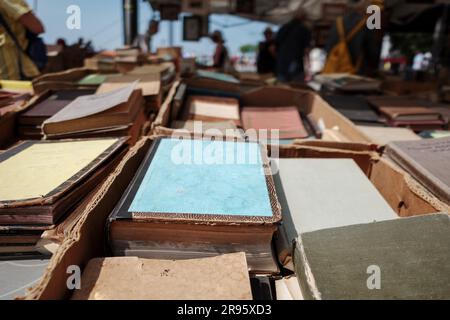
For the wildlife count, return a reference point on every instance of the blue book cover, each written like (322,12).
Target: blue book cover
(204,178)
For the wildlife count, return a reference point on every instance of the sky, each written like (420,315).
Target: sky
(101,22)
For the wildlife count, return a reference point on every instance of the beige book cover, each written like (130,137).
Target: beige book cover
(215,108)
(149,83)
(383,136)
(130,278)
(41,168)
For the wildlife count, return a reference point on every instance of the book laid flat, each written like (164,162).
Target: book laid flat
(149,84)
(41,180)
(221,206)
(16,276)
(426,160)
(317,194)
(355,108)
(223,128)
(383,136)
(213,109)
(217,76)
(406,258)
(129,278)
(95,112)
(285,119)
(50,103)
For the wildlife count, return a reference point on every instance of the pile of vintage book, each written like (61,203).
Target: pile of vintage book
(160,187)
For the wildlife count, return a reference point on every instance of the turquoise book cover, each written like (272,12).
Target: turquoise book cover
(204,177)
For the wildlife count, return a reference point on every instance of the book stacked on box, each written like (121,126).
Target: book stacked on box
(419,115)
(224,277)
(286,120)
(116,113)
(42,181)
(195,199)
(43,108)
(426,160)
(317,194)
(150,85)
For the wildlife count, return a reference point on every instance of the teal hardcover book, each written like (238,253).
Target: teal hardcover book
(197,177)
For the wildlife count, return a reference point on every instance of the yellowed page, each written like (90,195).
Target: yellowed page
(41,168)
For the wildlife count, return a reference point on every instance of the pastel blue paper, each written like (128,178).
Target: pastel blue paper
(204,183)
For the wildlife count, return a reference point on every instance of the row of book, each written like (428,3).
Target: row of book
(214,216)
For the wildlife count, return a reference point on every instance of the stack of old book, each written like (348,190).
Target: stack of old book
(224,277)
(195,199)
(426,160)
(207,115)
(44,107)
(417,114)
(318,194)
(344,241)
(150,85)
(112,114)
(43,181)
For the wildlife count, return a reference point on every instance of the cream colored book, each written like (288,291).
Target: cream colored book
(150,84)
(224,277)
(41,168)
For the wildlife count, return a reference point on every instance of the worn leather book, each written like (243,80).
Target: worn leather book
(223,277)
(317,194)
(285,119)
(42,180)
(406,258)
(213,109)
(95,112)
(48,105)
(355,108)
(428,161)
(224,203)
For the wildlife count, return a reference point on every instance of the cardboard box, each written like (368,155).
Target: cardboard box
(67,79)
(307,102)
(88,239)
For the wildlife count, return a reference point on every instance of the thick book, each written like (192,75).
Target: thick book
(317,194)
(285,119)
(213,109)
(223,277)
(41,180)
(99,111)
(48,105)
(213,197)
(406,258)
(426,160)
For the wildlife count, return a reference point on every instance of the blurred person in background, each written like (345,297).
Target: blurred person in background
(17,22)
(365,45)
(220,57)
(266,61)
(293,44)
